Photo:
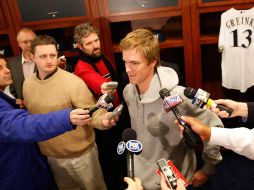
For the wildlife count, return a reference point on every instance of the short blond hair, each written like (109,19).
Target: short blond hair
(144,41)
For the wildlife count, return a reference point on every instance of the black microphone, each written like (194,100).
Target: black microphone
(169,103)
(105,101)
(200,98)
(132,146)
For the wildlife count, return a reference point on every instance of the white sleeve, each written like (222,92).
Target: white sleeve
(221,34)
(239,140)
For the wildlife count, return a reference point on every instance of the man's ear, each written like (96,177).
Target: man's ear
(79,46)
(153,62)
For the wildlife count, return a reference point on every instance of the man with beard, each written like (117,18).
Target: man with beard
(95,69)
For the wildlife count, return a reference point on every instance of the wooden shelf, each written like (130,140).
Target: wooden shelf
(209,39)
(221,3)
(139,13)
(44,19)
(70,53)
(7,31)
(191,28)
(172,42)
(3,31)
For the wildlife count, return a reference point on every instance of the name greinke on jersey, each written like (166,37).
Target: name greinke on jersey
(237,21)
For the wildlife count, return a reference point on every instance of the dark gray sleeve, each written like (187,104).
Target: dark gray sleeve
(250,120)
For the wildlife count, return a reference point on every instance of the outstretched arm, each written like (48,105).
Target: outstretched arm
(17,125)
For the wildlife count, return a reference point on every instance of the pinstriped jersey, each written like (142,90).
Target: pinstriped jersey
(236,42)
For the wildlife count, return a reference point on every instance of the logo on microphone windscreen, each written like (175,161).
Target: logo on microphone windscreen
(134,146)
(105,101)
(200,98)
(171,101)
(121,147)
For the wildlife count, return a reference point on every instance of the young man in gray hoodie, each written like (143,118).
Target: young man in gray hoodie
(155,128)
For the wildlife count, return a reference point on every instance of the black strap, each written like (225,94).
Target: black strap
(93,60)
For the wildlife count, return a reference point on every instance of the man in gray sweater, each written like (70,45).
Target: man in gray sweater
(155,128)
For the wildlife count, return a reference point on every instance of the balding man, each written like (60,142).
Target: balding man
(22,66)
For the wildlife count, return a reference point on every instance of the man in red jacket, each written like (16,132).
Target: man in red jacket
(95,69)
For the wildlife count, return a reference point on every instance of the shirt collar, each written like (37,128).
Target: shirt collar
(48,76)
(23,59)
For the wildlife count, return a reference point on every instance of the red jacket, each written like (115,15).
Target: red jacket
(94,79)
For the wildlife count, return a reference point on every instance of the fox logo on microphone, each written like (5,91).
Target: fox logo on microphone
(134,146)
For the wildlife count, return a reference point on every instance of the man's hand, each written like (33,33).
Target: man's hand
(199,178)
(79,117)
(197,126)
(164,186)
(107,123)
(61,61)
(239,108)
(133,184)
(20,103)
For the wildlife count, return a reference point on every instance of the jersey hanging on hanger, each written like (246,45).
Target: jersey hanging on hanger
(236,42)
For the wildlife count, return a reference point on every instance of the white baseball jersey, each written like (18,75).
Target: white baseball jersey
(236,42)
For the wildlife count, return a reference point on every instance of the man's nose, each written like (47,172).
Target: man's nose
(127,67)
(95,45)
(7,70)
(29,43)
(48,59)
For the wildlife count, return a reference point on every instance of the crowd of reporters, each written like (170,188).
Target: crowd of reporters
(142,66)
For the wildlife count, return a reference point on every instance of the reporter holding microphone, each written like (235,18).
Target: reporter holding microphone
(242,109)
(239,140)
(133,184)
(209,134)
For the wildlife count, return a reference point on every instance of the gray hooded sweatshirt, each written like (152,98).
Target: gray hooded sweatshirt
(158,133)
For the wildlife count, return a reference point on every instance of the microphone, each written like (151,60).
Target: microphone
(105,101)
(169,103)
(109,86)
(200,98)
(131,146)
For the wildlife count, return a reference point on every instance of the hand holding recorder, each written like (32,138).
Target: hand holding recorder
(116,112)
(105,101)
(179,182)
(171,177)
(62,62)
